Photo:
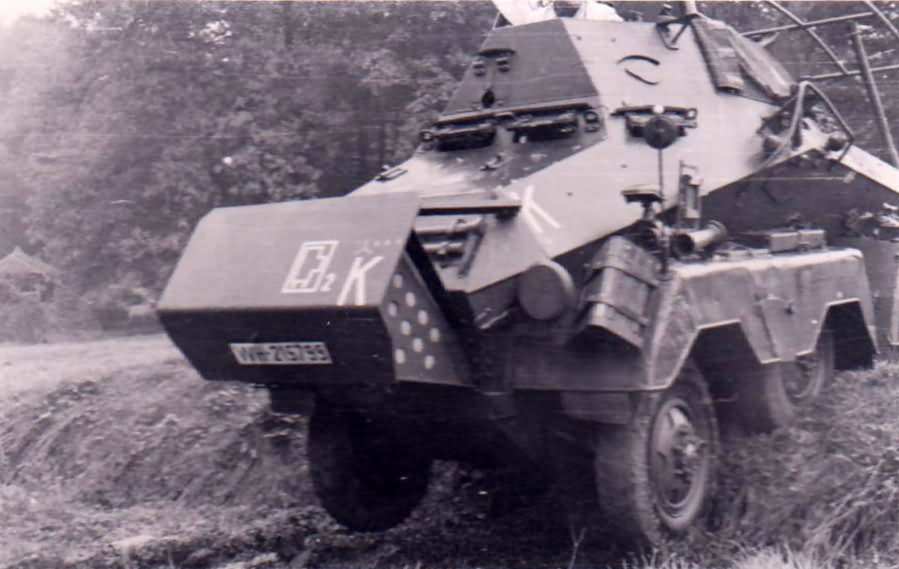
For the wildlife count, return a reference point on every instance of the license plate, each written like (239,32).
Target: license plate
(281,353)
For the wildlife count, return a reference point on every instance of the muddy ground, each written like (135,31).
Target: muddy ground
(116,454)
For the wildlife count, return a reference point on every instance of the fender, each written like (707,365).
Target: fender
(781,303)
(638,327)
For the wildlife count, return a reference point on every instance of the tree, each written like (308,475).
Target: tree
(130,120)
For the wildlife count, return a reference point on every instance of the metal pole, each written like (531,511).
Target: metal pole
(873,94)
(883,19)
(812,34)
(661,178)
(853,73)
(809,24)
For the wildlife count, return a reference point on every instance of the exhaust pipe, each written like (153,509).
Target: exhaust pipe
(699,240)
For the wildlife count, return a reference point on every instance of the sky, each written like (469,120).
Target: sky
(12,9)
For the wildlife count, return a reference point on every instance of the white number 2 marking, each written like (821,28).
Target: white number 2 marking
(326,284)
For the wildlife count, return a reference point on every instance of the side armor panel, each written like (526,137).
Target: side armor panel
(780,302)
(637,327)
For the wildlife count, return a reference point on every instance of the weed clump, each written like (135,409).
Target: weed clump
(828,486)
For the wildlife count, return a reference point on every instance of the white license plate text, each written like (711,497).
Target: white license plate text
(281,353)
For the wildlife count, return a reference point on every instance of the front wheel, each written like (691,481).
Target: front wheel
(656,476)
(363,473)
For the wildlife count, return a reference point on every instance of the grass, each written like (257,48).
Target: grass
(821,494)
(106,441)
(765,558)
(827,487)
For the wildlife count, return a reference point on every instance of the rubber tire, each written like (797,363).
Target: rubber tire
(763,401)
(364,476)
(627,498)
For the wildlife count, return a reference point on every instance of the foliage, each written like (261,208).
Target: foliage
(124,122)
(128,121)
(804,57)
(826,486)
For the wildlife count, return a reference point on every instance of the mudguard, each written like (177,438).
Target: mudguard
(638,325)
(779,302)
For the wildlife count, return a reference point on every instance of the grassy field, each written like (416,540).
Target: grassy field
(115,453)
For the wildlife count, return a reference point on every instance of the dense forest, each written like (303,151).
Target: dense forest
(122,121)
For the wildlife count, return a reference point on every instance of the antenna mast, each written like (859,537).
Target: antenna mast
(873,94)
(864,65)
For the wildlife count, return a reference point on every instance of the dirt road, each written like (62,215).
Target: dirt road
(116,448)
(116,454)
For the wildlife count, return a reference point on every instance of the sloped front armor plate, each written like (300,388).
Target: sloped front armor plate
(322,253)
(264,292)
